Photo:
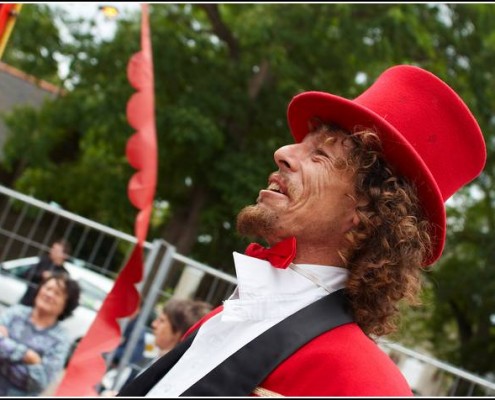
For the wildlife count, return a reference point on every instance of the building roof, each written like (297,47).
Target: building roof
(20,89)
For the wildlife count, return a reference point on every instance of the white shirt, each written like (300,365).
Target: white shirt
(264,296)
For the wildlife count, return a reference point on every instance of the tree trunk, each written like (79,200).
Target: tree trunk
(182,229)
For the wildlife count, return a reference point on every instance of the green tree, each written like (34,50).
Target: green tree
(461,324)
(35,44)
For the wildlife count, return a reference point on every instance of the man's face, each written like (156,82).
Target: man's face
(57,254)
(311,197)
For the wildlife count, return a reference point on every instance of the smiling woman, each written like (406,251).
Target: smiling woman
(33,344)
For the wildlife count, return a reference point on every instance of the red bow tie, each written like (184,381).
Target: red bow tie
(280,255)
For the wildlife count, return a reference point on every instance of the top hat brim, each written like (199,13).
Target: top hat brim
(398,152)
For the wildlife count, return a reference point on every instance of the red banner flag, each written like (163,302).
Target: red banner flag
(87,366)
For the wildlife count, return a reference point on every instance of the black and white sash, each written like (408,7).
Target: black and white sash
(244,370)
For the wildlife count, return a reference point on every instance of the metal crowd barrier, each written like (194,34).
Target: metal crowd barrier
(29,226)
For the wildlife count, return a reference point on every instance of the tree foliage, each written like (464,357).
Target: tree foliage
(224,74)
(35,43)
(461,326)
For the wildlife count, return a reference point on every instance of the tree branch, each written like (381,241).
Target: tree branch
(258,80)
(221,30)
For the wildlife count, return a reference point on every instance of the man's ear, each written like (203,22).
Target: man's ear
(351,221)
(355,219)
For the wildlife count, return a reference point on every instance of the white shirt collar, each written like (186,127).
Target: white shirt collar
(264,291)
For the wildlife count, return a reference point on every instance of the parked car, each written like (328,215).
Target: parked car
(94,288)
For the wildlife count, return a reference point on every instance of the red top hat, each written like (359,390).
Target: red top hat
(427,132)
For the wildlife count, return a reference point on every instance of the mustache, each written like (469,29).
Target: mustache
(283,179)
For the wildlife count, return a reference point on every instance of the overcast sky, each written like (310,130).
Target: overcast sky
(90,11)
(105,28)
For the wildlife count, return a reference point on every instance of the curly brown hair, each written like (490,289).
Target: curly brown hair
(386,249)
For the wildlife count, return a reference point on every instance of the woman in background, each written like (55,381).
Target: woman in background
(33,344)
(176,318)
(49,264)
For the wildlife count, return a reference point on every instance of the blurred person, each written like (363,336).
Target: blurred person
(353,212)
(33,345)
(50,263)
(138,350)
(135,362)
(175,318)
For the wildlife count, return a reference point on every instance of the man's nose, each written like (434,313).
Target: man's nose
(286,157)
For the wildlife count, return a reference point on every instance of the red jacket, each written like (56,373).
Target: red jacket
(340,362)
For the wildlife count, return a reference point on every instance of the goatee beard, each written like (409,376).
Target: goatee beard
(254,221)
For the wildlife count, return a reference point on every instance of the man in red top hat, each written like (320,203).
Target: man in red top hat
(353,213)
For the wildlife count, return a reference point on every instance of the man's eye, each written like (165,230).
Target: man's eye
(320,152)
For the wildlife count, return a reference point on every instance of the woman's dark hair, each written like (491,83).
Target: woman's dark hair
(72,290)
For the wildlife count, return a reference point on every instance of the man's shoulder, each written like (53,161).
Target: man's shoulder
(63,269)
(342,361)
(347,350)
(44,263)
(59,270)
(347,344)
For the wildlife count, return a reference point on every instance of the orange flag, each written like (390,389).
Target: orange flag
(8,17)
(87,366)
